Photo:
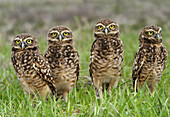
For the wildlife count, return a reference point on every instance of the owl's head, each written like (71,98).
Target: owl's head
(23,42)
(106,27)
(59,34)
(150,34)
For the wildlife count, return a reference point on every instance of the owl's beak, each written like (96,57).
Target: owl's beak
(60,37)
(106,31)
(22,45)
(157,36)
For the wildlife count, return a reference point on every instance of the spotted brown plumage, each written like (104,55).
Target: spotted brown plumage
(63,59)
(32,70)
(150,60)
(106,56)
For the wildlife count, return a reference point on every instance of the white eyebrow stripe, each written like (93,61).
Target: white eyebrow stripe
(17,38)
(27,39)
(150,30)
(65,31)
(112,24)
(100,24)
(54,32)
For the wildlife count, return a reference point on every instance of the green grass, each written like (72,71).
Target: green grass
(82,101)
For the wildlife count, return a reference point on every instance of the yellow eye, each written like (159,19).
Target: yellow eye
(54,34)
(111,26)
(65,33)
(17,41)
(29,41)
(100,27)
(150,33)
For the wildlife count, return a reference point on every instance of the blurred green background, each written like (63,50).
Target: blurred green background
(37,16)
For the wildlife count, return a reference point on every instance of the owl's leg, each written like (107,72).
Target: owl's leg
(65,95)
(98,85)
(152,85)
(140,84)
(100,88)
(97,93)
(154,82)
(135,85)
(152,88)
(113,84)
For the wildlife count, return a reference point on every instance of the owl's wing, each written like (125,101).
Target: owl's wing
(77,65)
(91,60)
(138,64)
(90,71)
(164,56)
(42,67)
(14,61)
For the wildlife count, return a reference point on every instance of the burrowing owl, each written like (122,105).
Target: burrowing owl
(106,56)
(150,60)
(63,59)
(32,70)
